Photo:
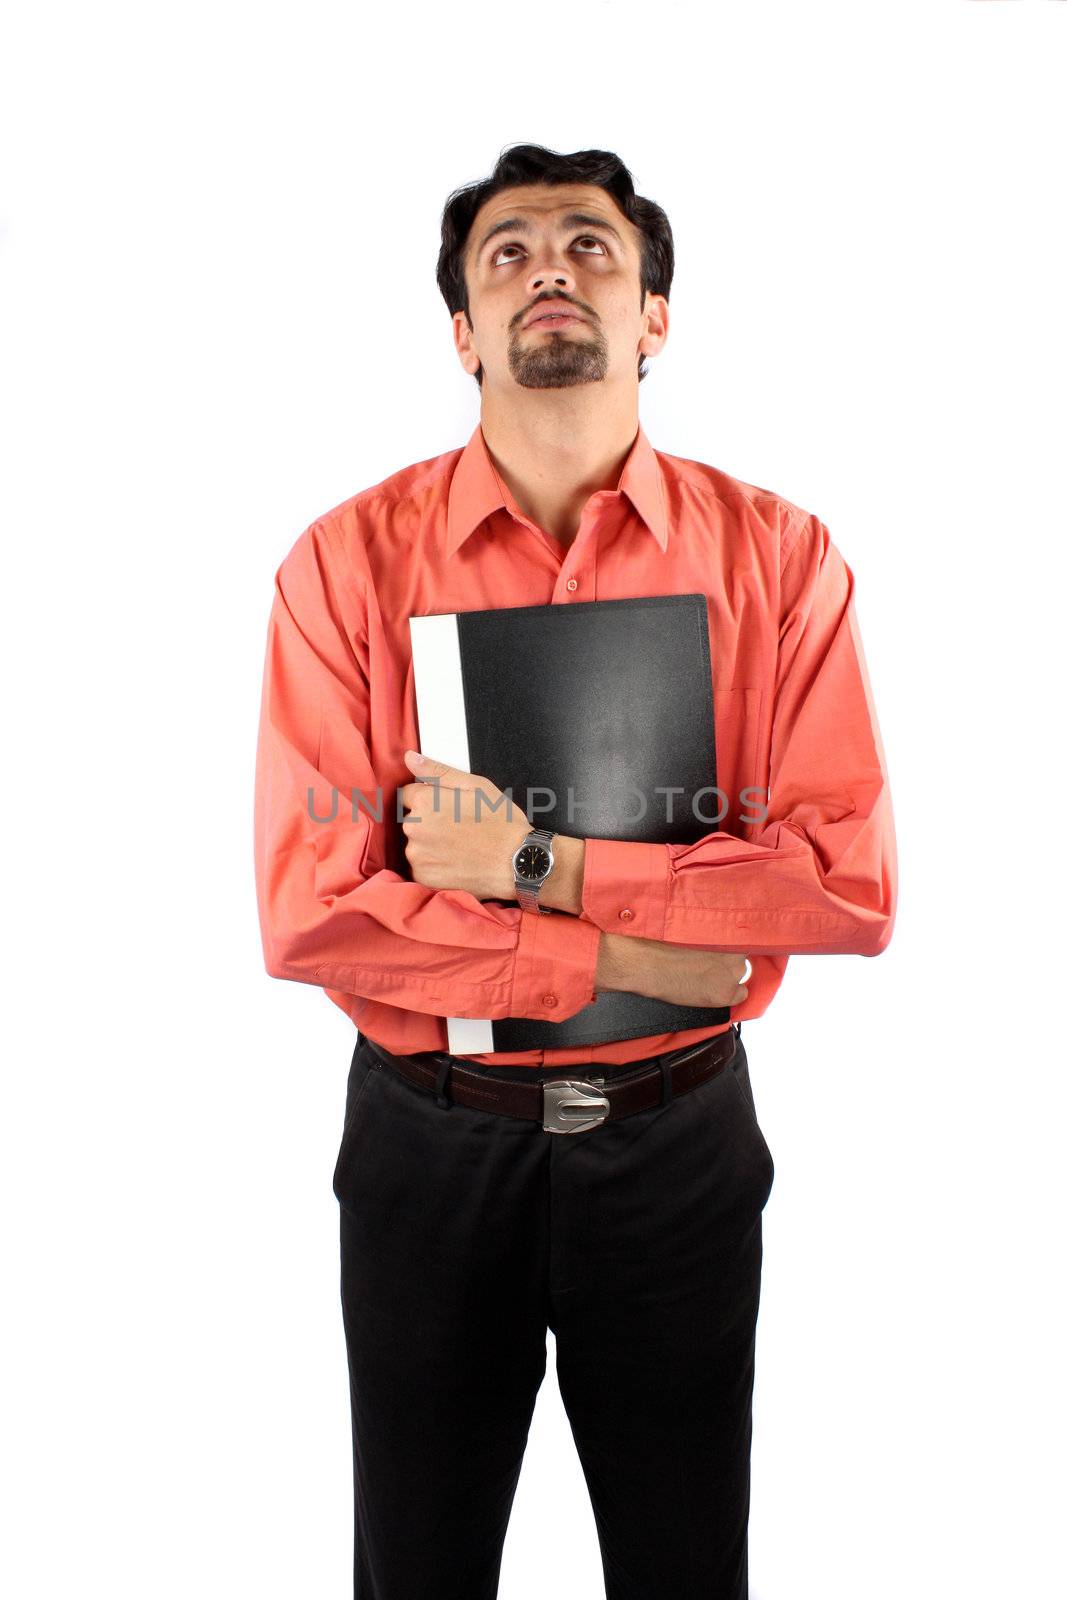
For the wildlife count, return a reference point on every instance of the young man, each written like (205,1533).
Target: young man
(466,1229)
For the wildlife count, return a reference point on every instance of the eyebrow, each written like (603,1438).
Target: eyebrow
(573,219)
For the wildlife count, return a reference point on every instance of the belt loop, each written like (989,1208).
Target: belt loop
(737,1025)
(667,1082)
(440,1097)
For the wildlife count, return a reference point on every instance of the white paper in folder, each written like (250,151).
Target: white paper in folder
(443,736)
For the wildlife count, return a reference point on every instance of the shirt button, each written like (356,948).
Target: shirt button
(626,915)
(572,584)
(548,999)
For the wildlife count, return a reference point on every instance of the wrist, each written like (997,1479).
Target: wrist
(562,889)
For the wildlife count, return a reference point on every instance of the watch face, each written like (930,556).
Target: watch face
(532,862)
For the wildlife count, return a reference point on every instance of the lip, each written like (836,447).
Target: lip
(558,309)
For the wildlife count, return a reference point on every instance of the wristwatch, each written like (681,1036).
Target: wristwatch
(532,863)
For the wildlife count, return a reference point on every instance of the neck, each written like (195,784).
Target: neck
(553,458)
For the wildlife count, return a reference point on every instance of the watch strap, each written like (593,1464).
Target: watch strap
(529,895)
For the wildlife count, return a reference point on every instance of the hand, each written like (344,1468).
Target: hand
(680,974)
(450,845)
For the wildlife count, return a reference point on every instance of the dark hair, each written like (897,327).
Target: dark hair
(532,163)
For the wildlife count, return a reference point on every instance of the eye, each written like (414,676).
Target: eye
(584,238)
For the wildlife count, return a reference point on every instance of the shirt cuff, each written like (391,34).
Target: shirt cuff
(625,886)
(555,966)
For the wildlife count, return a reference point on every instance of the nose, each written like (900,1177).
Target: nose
(558,277)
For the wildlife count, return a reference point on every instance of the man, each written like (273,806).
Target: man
(467,1229)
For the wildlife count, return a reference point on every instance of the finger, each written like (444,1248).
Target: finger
(413,794)
(427,767)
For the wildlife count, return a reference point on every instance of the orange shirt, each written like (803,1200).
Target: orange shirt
(795,726)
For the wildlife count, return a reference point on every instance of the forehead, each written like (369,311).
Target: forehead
(545,205)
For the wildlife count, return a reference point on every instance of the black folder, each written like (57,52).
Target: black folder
(603,707)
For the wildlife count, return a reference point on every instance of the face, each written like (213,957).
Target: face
(548,259)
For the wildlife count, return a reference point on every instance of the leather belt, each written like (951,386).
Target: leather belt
(565,1104)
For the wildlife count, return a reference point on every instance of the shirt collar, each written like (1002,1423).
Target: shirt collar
(477,490)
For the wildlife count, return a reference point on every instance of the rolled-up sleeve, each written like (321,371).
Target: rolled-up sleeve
(819,874)
(332,912)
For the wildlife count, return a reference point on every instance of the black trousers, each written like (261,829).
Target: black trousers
(465,1235)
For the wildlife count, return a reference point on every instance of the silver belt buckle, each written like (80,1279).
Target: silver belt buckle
(572,1106)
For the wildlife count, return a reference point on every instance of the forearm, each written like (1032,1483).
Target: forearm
(615,968)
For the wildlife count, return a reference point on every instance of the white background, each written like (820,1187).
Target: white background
(219,319)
